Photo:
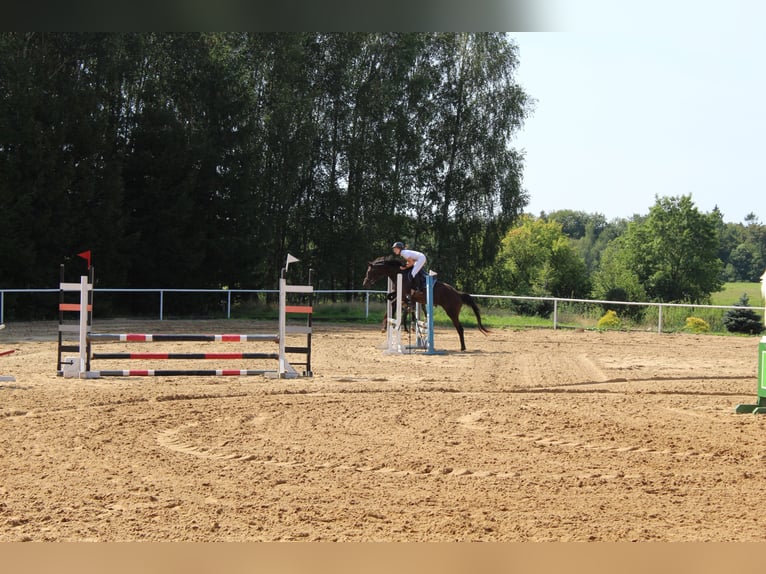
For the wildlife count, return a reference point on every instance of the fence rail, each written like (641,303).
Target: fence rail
(366,295)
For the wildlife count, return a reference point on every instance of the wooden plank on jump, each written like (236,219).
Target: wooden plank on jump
(195,356)
(297,330)
(301,350)
(72,307)
(299,309)
(299,288)
(176,373)
(73,286)
(69,328)
(148,338)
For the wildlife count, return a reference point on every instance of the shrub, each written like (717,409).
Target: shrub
(533,308)
(632,312)
(743,320)
(696,325)
(610,320)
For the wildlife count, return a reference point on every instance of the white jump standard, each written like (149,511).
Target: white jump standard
(394,319)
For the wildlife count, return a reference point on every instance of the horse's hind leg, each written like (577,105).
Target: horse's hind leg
(459,328)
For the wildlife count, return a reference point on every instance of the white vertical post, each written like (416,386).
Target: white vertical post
(393,326)
(399,301)
(83,339)
(282,324)
(285,370)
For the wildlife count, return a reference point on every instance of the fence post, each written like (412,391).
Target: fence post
(162,303)
(555,313)
(659,320)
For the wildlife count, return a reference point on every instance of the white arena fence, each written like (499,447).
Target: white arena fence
(226,300)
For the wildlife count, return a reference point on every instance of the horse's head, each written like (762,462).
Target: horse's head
(376,270)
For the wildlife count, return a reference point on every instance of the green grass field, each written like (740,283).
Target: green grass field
(731,293)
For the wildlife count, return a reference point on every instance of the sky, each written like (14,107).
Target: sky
(630,107)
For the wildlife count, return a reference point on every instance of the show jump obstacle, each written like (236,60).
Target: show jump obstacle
(424,329)
(760,406)
(6,378)
(80,366)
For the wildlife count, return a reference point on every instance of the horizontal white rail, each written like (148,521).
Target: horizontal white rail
(366,293)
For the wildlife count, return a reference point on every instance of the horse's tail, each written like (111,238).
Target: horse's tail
(468,300)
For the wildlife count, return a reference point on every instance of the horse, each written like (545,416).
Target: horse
(444,294)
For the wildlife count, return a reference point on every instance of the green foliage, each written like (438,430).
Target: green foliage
(671,254)
(696,325)
(201,159)
(537,259)
(615,280)
(743,320)
(610,320)
(731,293)
(575,224)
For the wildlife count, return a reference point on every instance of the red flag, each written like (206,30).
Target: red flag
(85,255)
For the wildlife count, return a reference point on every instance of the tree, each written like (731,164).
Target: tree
(745,262)
(590,232)
(743,320)
(201,159)
(674,252)
(615,279)
(467,188)
(537,259)
(575,224)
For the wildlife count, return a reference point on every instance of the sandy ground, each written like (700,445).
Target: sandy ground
(530,435)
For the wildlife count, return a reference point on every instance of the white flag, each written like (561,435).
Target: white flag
(290,259)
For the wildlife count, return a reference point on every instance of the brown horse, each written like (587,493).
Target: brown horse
(445,295)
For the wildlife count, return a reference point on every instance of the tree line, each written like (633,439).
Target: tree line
(675,253)
(199,160)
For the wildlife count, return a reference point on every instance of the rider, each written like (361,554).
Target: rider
(415,262)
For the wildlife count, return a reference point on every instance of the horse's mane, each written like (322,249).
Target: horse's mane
(385,260)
